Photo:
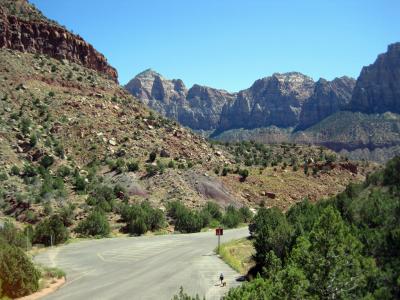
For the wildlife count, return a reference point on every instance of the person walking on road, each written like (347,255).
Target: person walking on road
(221,277)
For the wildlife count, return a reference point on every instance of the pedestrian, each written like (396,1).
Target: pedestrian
(221,277)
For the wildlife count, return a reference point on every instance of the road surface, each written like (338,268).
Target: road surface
(143,267)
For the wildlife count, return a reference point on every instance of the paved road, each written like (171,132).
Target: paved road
(142,267)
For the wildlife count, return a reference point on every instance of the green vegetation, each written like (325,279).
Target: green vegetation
(343,248)
(96,224)
(142,217)
(189,221)
(238,254)
(51,231)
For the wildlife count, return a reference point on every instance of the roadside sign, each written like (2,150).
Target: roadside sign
(219,231)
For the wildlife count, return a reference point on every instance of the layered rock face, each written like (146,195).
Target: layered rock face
(198,108)
(36,35)
(275,100)
(328,98)
(378,87)
(282,100)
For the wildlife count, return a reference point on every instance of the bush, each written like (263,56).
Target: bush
(15,171)
(18,275)
(51,230)
(10,234)
(133,166)
(245,214)
(3,176)
(232,217)
(152,156)
(47,161)
(95,224)
(244,173)
(137,227)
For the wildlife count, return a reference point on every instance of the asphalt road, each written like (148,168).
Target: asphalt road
(143,267)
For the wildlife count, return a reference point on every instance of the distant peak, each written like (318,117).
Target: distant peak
(148,72)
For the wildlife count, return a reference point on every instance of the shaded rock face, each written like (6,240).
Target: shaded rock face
(198,108)
(328,98)
(378,87)
(275,100)
(43,37)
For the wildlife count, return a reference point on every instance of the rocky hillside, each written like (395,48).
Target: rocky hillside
(198,108)
(378,86)
(72,140)
(24,28)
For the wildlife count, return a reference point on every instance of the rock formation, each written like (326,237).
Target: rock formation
(38,35)
(378,87)
(274,100)
(198,108)
(328,98)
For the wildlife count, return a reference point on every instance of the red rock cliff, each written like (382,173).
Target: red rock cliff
(37,36)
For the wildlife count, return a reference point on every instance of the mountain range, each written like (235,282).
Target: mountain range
(358,117)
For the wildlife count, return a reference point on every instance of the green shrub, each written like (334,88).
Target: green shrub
(137,227)
(3,176)
(51,230)
(232,217)
(133,166)
(15,171)
(63,171)
(152,156)
(245,214)
(47,161)
(244,173)
(33,139)
(96,224)
(18,275)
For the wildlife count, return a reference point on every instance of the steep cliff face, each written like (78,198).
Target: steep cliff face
(328,98)
(275,100)
(198,108)
(378,87)
(22,28)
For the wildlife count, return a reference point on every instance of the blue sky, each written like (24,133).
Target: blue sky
(230,43)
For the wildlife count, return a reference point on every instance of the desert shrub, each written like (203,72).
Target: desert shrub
(152,156)
(33,139)
(10,234)
(15,171)
(51,230)
(3,176)
(96,224)
(18,275)
(185,220)
(46,161)
(232,218)
(213,209)
(133,166)
(63,171)
(25,125)
(67,214)
(244,173)
(245,214)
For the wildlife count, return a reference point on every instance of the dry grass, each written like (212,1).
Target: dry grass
(238,254)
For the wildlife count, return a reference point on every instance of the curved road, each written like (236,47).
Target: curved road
(143,267)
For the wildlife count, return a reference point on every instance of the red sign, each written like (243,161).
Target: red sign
(219,231)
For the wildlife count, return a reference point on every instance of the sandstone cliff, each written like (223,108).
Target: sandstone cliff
(274,100)
(378,86)
(22,28)
(328,98)
(198,108)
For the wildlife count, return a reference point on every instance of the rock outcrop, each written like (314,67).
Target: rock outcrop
(38,35)
(275,100)
(378,87)
(328,98)
(198,108)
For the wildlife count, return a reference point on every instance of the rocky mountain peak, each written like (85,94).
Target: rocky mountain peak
(378,86)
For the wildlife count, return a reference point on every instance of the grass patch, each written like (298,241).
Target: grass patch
(238,254)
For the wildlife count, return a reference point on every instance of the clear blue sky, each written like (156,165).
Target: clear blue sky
(231,43)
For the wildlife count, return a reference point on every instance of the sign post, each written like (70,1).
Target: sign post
(219,232)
